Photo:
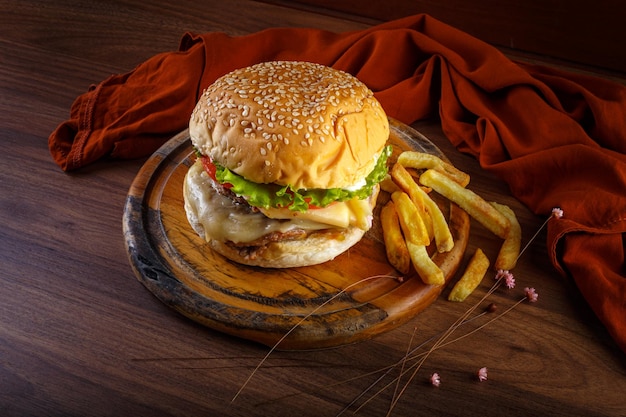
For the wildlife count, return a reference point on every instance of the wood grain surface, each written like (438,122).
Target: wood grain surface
(81,336)
(354,297)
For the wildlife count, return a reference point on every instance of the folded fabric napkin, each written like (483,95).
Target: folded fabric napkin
(558,139)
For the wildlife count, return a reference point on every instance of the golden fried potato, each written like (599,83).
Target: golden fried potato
(395,246)
(388,185)
(411,221)
(469,201)
(510,249)
(437,225)
(421,160)
(406,183)
(471,278)
(428,271)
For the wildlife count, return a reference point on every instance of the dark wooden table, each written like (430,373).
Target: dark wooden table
(80,336)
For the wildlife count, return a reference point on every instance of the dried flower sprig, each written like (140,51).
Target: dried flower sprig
(508,277)
(502,276)
(531,294)
(556,213)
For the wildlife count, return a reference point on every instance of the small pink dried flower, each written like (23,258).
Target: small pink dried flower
(508,277)
(557,212)
(501,273)
(510,281)
(531,294)
(435,379)
(482,374)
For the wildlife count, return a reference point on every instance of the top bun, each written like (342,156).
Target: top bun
(291,123)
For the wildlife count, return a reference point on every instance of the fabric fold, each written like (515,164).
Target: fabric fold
(556,138)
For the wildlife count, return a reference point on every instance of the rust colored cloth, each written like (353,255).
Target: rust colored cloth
(558,139)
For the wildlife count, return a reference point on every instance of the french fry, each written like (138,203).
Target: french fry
(510,249)
(406,183)
(469,201)
(428,271)
(421,160)
(439,228)
(411,221)
(395,246)
(471,278)
(388,185)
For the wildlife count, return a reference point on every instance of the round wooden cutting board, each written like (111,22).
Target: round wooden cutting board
(352,298)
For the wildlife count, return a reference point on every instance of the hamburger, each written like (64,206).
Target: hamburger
(289,158)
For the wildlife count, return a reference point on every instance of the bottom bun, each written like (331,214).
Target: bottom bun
(317,248)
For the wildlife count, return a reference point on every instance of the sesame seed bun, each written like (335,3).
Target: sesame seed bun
(291,123)
(295,124)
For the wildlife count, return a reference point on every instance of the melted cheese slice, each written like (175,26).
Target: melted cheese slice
(354,212)
(222,219)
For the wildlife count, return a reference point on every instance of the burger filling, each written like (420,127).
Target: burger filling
(245,213)
(272,196)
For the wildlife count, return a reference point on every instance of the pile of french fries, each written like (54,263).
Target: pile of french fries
(412,220)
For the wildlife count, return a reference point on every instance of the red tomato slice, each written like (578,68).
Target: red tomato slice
(211,169)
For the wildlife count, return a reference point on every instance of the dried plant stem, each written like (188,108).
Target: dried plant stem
(440,343)
(487,323)
(404,359)
(411,355)
(533,238)
(302,320)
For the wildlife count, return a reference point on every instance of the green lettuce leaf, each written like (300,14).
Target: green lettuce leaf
(272,195)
